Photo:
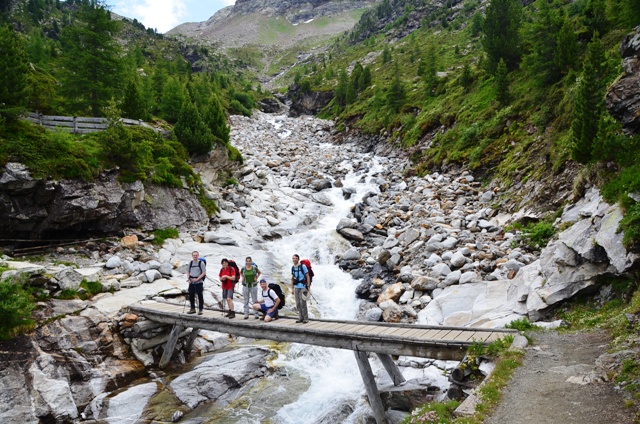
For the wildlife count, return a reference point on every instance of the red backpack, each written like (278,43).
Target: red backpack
(307,263)
(234,265)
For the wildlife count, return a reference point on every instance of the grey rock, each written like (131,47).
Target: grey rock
(69,279)
(351,234)
(113,262)
(351,255)
(373,315)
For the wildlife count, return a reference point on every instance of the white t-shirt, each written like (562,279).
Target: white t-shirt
(269,301)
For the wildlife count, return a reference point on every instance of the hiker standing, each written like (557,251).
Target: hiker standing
(228,279)
(249,276)
(195,275)
(301,281)
(269,302)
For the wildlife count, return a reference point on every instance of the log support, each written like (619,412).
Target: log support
(392,369)
(170,346)
(370,385)
(191,339)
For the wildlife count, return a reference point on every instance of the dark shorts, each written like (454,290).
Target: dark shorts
(264,309)
(227,294)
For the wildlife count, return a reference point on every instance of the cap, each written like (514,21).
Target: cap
(262,280)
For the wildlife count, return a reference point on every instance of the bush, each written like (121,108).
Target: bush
(16,304)
(538,235)
(92,287)
(159,236)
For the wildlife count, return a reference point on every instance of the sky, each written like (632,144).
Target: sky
(167,14)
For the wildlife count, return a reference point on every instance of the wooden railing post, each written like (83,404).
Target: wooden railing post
(392,369)
(75,124)
(370,385)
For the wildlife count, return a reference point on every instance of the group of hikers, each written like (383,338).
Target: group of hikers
(250,277)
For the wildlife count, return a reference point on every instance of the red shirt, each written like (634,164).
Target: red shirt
(226,283)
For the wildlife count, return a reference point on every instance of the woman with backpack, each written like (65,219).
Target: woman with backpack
(249,277)
(228,279)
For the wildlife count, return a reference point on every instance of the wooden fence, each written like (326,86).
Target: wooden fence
(75,124)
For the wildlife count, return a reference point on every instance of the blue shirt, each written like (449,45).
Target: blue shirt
(299,275)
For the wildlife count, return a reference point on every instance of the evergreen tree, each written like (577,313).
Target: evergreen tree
(386,55)
(466,79)
(430,70)
(501,33)
(173,98)
(476,24)
(396,94)
(365,79)
(501,80)
(589,102)
(632,12)
(351,94)
(216,120)
(567,48)
(91,72)
(543,35)
(191,131)
(340,93)
(158,81)
(595,17)
(133,105)
(13,73)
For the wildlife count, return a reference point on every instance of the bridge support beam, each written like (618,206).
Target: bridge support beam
(192,338)
(392,369)
(370,385)
(170,346)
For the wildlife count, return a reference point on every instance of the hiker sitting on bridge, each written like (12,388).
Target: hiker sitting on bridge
(301,281)
(195,275)
(228,279)
(249,277)
(269,302)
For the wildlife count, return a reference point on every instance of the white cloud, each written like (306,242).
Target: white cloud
(228,2)
(160,14)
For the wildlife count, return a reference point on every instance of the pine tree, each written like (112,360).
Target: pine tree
(173,97)
(216,120)
(91,73)
(13,73)
(501,80)
(595,17)
(133,105)
(430,70)
(543,35)
(632,12)
(191,131)
(365,79)
(501,33)
(567,48)
(466,79)
(340,93)
(589,102)
(396,94)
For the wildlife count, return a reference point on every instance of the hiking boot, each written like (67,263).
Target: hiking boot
(200,312)
(305,321)
(232,314)
(298,321)
(246,317)
(192,311)
(256,317)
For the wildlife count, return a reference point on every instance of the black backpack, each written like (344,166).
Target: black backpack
(276,288)
(234,265)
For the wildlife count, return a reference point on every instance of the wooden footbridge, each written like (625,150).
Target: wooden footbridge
(383,339)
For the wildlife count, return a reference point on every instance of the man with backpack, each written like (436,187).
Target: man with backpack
(228,279)
(301,282)
(269,302)
(195,275)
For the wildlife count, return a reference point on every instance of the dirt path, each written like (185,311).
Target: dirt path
(540,392)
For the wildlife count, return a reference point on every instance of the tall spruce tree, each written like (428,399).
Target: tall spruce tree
(91,65)
(13,73)
(501,33)
(567,48)
(191,131)
(430,70)
(501,80)
(133,104)
(543,35)
(216,120)
(173,98)
(589,102)
(396,94)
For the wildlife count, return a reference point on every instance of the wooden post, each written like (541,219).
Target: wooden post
(170,346)
(392,369)
(372,389)
(75,124)
(191,339)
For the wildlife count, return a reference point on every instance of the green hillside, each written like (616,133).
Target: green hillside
(434,81)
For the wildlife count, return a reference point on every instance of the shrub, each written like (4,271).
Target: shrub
(159,236)
(522,324)
(92,287)
(539,234)
(16,304)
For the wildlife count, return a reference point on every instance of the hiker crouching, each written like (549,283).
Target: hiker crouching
(269,302)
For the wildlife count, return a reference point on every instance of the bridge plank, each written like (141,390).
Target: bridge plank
(453,334)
